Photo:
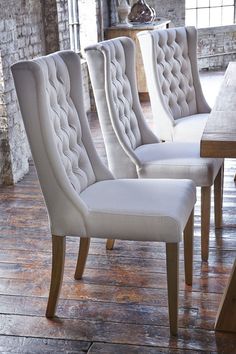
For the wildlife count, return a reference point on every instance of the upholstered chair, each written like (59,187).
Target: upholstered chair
(179,108)
(132,148)
(82,197)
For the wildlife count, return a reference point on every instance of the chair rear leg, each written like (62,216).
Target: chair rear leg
(218,197)
(58,260)
(110,244)
(188,249)
(82,257)
(205,221)
(172,265)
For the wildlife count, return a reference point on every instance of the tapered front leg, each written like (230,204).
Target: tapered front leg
(218,197)
(205,221)
(82,257)
(58,260)
(188,249)
(110,244)
(172,265)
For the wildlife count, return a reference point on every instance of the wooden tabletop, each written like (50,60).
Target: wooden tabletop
(219,137)
(219,140)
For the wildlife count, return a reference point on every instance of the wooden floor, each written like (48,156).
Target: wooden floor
(120,306)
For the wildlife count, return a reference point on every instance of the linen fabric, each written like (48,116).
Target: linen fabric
(170,62)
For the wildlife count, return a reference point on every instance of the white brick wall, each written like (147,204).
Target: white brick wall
(21,37)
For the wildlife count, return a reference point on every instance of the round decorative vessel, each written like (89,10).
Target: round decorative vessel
(141,12)
(123,10)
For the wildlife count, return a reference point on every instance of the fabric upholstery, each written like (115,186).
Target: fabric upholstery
(115,208)
(192,126)
(177,160)
(150,157)
(49,90)
(66,129)
(122,96)
(169,57)
(113,79)
(81,195)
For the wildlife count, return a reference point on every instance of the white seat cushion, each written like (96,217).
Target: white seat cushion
(145,210)
(190,128)
(177,160)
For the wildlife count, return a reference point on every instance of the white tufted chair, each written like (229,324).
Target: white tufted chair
(179,108)
(132,148)
(82,197)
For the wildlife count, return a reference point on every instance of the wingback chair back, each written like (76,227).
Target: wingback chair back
(170,61)
(59,136)
(112,72)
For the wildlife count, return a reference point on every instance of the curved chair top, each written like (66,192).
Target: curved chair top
(170,61)
(49,91)
(112,70)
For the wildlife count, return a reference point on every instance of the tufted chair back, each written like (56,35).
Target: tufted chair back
(170,62)
(49,90)
(112,70)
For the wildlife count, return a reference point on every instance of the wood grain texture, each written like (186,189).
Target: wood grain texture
(219,136)
(58,259)
(219,140)
(205,221)
(102,348)
(29,345)
(188,249)
(218,197)
(110,244)
(226,315)
(172,266)
(82,257)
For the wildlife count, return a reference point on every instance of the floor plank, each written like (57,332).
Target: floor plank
(120,333)
(29,345)
(105,348)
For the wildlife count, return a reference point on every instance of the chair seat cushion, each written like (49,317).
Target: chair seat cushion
(145,210)
(190,128)
(177,160)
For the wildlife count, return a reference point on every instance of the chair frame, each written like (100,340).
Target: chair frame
(101,51)
(66,208)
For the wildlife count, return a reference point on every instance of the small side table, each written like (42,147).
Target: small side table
(119,31)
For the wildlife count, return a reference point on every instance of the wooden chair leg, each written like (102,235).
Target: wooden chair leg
(110,244)
(58,259)
(82,257)
(218,197)
(188,249)
(172,265)
(205,221)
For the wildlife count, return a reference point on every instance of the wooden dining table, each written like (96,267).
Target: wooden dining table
(219,140)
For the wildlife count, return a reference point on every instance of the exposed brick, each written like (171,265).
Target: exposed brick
(216,47)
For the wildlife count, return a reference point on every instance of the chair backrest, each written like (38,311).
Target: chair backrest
(112,71)
(49,91)
(170,61)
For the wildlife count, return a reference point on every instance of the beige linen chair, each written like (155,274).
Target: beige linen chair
(179,108)
(82,197)
(132,148)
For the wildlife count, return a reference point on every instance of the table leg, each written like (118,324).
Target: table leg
(226,315)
